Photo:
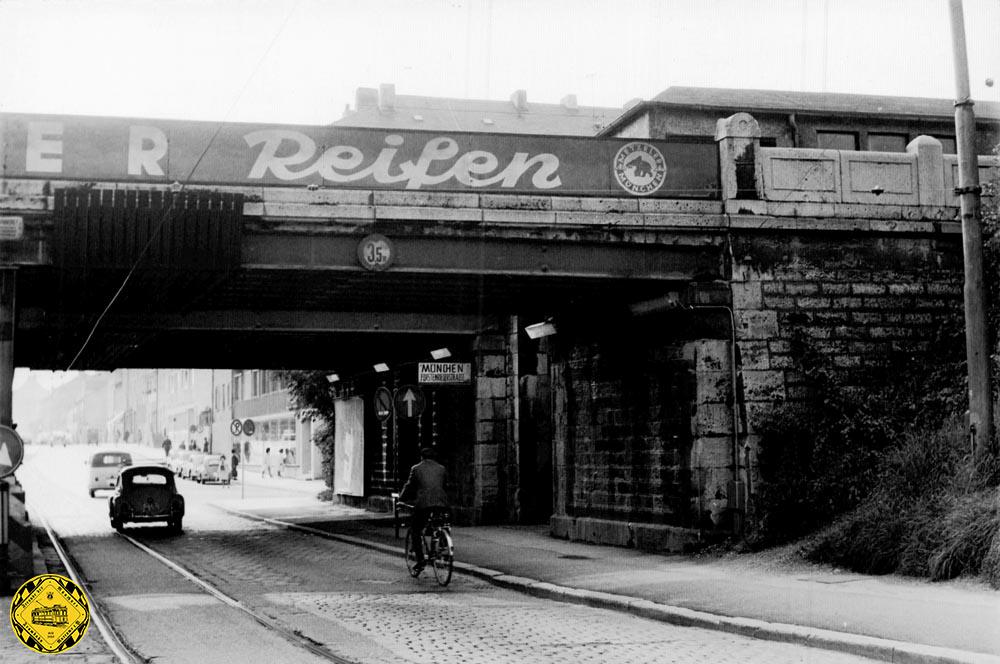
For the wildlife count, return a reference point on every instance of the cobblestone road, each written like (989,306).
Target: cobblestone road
(362,605)
(328,591)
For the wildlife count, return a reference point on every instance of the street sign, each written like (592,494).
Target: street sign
(236,427)
(409,401)
(375,252)
(383,403)
(249,427)
(11,228)
(11,451)
(445,373)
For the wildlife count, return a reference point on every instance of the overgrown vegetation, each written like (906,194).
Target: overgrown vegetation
(879,460)
(312,398)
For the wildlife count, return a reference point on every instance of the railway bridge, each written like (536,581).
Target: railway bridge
(668,279)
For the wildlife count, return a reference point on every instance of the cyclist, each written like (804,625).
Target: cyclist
(424,489)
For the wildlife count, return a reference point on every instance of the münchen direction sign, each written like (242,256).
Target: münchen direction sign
(445,373)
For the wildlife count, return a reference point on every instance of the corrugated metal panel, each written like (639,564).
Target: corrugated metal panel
(115,229)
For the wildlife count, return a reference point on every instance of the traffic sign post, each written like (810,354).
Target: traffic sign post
(247,428)
(11,456)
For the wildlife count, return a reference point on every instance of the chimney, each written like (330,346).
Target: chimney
(569,103)
(365,98)
(387,97)
(520,101)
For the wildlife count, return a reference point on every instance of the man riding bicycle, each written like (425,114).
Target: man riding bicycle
(424,490)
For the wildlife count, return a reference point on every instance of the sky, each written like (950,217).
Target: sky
(301,61)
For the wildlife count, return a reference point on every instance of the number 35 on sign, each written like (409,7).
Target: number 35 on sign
(375,252)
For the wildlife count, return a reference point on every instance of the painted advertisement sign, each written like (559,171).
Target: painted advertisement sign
(167,151)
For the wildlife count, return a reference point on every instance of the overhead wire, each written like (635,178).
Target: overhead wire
(166,216)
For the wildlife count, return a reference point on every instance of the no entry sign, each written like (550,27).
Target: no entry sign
(383,403)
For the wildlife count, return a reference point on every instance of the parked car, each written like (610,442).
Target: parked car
(146,493)
(193,467)
(213,469)
(176,461)
(103,469)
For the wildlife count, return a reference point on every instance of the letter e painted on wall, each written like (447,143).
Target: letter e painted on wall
(146,147)
(44,148)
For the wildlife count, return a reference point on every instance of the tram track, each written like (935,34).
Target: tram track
(117,644)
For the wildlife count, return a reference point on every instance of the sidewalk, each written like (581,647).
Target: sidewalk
(889,618)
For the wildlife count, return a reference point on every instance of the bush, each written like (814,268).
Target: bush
(924,516)
(968,530)
(821,458)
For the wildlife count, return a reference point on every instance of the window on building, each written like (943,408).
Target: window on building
(258,384)
(837,140)
(237,387)
(274,382)
(948,144)
(878,142)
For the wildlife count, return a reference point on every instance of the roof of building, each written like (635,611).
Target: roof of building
(784,101)
(383,108)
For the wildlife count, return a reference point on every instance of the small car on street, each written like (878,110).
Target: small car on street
(193,467)
(103,469)
(213,469)
(146,493)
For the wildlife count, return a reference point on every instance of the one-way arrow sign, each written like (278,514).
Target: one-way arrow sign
(409,401)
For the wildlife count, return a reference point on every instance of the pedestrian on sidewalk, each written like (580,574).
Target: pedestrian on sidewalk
(234,461)
(268,464)
(281,461)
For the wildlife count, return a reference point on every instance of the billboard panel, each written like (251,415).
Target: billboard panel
(168,151)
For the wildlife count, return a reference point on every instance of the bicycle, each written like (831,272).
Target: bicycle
(439,550)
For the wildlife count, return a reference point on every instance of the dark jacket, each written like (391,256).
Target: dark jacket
(425,486)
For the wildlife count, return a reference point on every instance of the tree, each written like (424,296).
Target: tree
(313,398)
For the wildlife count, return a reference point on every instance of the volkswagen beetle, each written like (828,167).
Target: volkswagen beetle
(146,493)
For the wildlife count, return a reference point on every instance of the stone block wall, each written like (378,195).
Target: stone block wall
(854,300)
(494,461)
(623,420)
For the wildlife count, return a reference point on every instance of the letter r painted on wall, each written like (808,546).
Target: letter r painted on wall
(146,147)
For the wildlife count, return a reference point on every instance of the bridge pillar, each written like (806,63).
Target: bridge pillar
(738,137)
(7,286)
(8,278)
(495,454)
(930,169)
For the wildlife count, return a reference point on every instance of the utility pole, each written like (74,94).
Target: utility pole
(976,337)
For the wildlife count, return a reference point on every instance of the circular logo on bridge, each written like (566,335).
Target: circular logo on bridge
(49,614)
(639,168)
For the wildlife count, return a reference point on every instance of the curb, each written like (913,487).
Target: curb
(887,650)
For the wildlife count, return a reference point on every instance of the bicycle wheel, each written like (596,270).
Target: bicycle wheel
(411,558)
(444,559)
